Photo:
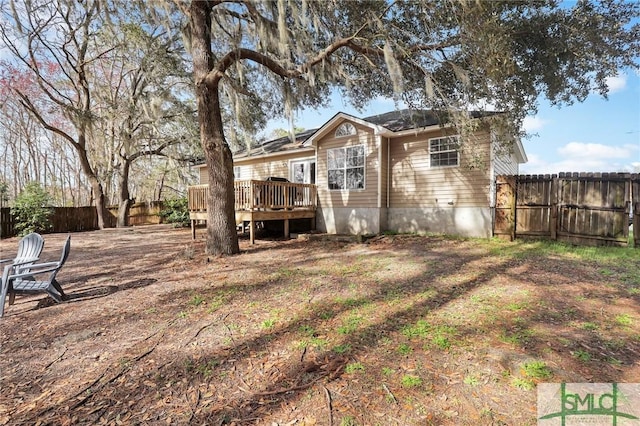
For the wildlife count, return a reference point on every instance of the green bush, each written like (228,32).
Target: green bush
(32,209)
(176,211)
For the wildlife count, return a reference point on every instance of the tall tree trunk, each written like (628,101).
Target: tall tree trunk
(96,186)
(222,237)
(124,202)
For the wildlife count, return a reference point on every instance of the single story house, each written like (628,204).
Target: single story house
(403,171)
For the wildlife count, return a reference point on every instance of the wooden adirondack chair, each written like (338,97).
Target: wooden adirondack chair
(15,280)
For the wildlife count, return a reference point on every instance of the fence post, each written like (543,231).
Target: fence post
(505,209)
(635,200)
(553,208)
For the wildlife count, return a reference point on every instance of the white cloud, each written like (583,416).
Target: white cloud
(586,157)
(533,124)
(617,83)
(598,151)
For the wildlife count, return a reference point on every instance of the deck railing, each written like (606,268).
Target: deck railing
(260,195)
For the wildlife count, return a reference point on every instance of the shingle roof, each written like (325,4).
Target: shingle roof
(282,144)
(394,121)
(408,119)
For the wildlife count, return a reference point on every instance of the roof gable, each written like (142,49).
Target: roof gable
(338,119)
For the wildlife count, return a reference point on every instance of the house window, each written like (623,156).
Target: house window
(303,171)
(444,151)
(346,129)
(236,172)
(345,167)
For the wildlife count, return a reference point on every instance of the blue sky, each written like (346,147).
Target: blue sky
(597,135)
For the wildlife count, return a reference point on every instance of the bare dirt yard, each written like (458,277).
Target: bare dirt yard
(400,330)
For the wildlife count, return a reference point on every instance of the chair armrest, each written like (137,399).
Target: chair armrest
(35,269)
(5,260)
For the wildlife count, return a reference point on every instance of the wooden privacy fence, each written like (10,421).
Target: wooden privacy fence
(139,214)
(64,219)
(77,219)
(581,208)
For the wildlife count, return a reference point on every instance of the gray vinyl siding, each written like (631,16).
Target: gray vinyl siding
(505,164)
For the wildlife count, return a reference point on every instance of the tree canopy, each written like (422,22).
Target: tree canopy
(105,81)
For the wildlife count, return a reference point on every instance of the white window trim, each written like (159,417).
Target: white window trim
(350,130)
(364,168)
(237,172)
(457,151)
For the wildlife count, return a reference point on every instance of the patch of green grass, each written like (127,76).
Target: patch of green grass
(219,300)
(409,381)
(196,300)
(582,355)
(519,321)
(524,384)
(607,272)
(516,306)
(207,368)
(307,330)
(471,380)
(350,325)
(404,349)
(268,323)
(536,370)
(386,371)
(315,342)
(342,349)
(518,336)
(419,329)
(354,367)
(182,314)
(476,299)
(441,336)
(350,268)
(441,341)
(591,326)
(326,314)
(351,302)
(284,273)
(348,421)
(624,320)
(614,361)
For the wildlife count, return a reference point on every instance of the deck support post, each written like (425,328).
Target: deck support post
(286,228)
(252,231)
(193,229)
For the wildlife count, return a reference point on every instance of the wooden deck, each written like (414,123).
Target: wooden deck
(259,200)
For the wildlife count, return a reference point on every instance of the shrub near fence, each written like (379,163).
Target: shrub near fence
(78,219)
